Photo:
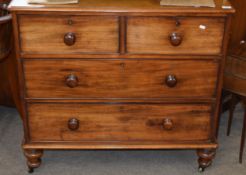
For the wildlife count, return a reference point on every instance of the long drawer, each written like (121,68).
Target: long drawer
(120,78)
(169,35)
(47,34)
(119,122)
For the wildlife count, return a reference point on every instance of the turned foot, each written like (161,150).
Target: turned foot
(205,159)
(33,159)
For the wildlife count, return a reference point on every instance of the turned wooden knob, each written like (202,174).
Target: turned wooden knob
(72,81)
(73,124)
(171,80)
(168,124)
(69,39)
(175,39)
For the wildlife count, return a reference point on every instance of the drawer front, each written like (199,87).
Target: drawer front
(188,35)
(77,122)
(68,34)
(120,78)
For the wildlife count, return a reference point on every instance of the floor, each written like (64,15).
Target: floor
(163,162)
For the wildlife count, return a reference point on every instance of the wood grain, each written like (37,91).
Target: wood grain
(151,35)
(96,34)
(120,145)
(128,7)
(119,122)
(120,78)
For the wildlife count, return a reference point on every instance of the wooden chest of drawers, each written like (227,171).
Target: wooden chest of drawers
(120,75)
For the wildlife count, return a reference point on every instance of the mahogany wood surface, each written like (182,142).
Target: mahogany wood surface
(33,158)
(124,74)
(237,44)
(120,145)
(122,6)
(5,97)
(122,78)
(205,158)
(8,85)
(5,32)
(119,122)
(152,35)
(235,71)
(94,34)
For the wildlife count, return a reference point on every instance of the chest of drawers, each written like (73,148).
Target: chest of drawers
(120,75)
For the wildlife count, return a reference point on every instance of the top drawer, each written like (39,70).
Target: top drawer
(167,35)
(45,34)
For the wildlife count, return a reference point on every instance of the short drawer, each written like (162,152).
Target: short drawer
(91,122)
(184,35)
(45,34)
(120,78)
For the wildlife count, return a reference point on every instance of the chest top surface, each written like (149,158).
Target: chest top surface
(121,6)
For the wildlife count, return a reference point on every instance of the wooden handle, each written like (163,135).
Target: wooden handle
(69,39)
(72,81)
(175,39)
(168,124)
(171,81)
(73,124)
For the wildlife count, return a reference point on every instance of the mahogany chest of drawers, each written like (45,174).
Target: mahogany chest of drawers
(120,75)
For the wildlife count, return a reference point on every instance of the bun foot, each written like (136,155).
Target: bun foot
(205,158)
(33,159)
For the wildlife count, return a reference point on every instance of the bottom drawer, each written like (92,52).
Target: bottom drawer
(119,122)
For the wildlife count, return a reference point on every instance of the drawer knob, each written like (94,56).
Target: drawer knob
(73,124)
(171,81)
(72,81)
(168,124)
(69,39)
(175,39)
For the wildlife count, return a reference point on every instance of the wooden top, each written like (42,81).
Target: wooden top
(124,6)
